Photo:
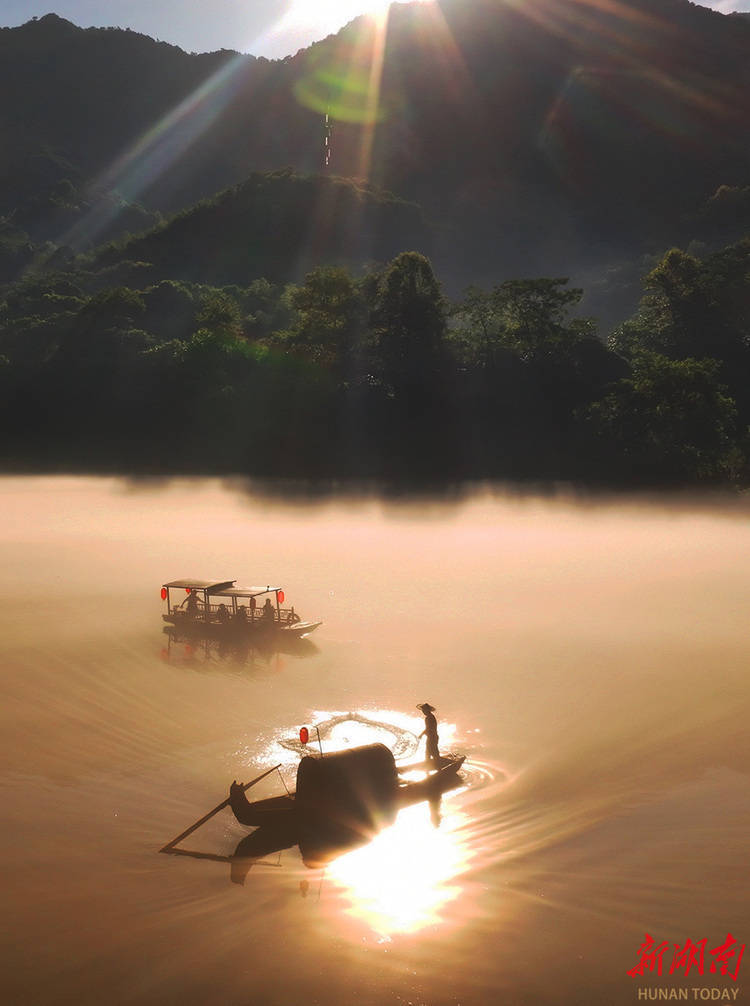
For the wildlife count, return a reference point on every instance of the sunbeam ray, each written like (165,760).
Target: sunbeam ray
(159,148)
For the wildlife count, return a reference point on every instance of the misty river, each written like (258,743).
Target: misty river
(589,658)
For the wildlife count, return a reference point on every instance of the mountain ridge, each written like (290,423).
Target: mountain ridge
(544,136)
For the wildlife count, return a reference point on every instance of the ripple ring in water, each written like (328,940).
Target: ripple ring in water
(478,774)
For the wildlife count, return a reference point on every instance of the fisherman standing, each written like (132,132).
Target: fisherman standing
(430,732)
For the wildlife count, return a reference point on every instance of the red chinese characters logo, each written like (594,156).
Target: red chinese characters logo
(724,959)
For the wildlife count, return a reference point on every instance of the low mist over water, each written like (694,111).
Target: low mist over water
(590,660)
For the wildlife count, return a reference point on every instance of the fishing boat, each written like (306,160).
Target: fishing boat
(343,799)
(220,609)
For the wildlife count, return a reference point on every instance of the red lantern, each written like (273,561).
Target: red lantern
(188,590)
(280,595)
(163,593)
(304,735)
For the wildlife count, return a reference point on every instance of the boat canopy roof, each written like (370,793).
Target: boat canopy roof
(222,588)
(244,591)
(200,584)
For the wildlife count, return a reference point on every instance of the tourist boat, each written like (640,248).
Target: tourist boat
(220,608)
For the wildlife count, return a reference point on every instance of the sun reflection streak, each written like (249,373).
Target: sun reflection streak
(407,876)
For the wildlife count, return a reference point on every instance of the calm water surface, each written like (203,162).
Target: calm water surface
(591,661)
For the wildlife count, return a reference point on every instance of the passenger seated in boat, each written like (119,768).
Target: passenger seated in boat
(222,613)
(268,609)
(241,615)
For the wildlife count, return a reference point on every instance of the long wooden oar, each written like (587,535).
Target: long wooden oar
(210,814)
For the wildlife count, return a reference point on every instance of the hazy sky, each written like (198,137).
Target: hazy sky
(272,28)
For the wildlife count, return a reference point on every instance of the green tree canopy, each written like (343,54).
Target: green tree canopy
(330,318)
(529,317)
(410,317)
(671,419)
(693,307)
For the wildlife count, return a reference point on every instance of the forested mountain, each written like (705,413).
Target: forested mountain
(220,263)
(277,225)
(543,135)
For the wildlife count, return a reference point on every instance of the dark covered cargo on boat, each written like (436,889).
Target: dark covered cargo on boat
(354,788)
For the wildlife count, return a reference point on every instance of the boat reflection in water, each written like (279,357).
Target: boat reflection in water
(396,879)
(185,648)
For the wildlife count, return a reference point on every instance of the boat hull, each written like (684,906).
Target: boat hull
(322,810)
(257,629)
(275,812)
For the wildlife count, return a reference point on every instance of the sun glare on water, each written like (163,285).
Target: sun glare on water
(406,877)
